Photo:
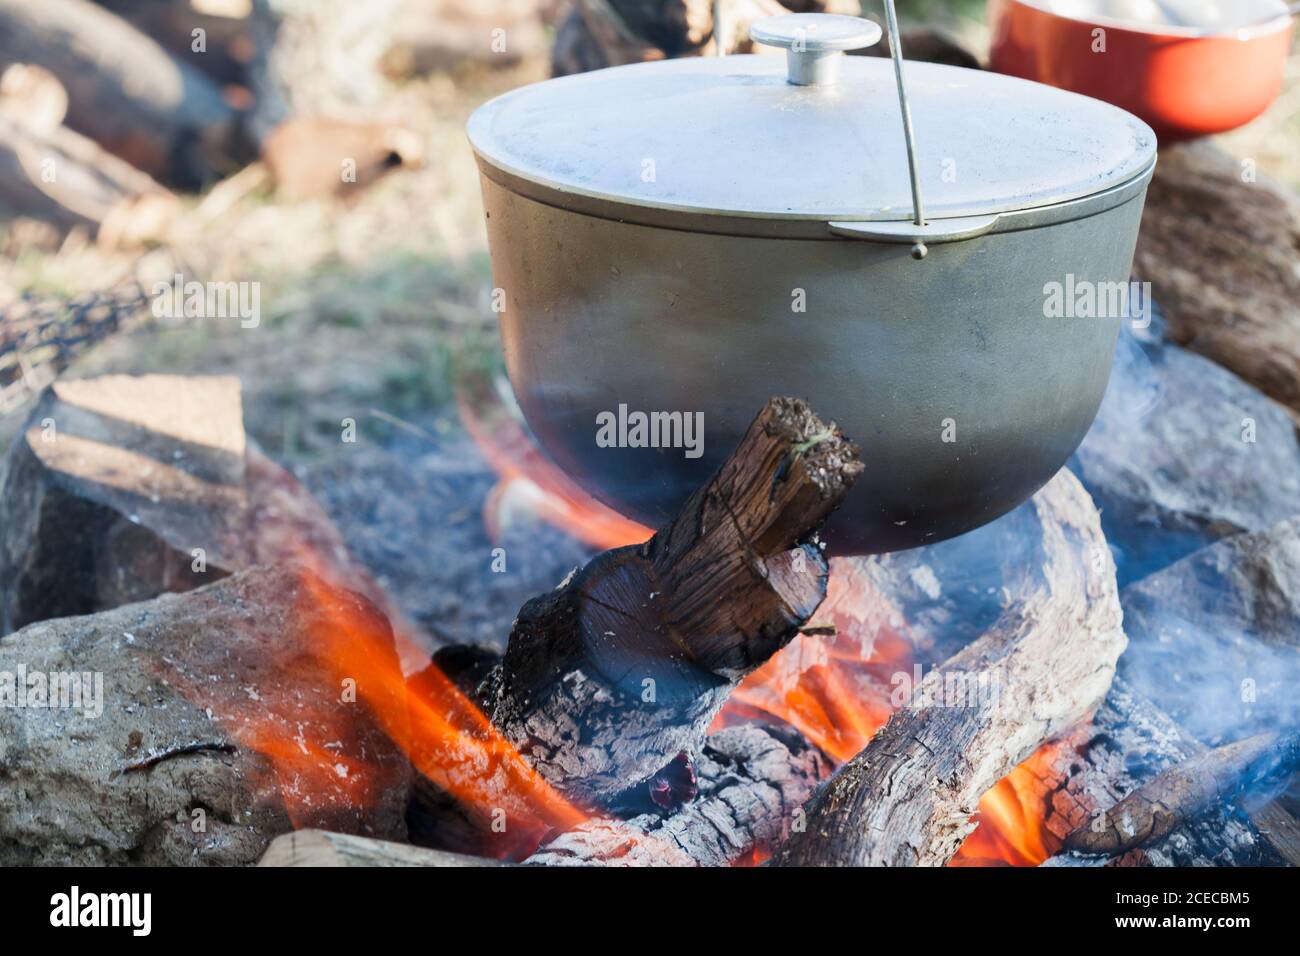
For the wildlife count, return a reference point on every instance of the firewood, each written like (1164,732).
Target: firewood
(61,177)
(1279,827)
(42,336)
(124,91)
(433,35)
(601,33)
(227,43)
(315,157)
(1128,742)
(1180,794)
(752,779)
(323,848)
(907,798)
(314,108)
(32,97)
(606,679)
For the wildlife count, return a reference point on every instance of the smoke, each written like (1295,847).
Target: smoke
(1215,638)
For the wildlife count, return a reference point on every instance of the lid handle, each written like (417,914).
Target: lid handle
(814,43)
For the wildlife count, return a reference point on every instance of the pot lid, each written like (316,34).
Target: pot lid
(735,136)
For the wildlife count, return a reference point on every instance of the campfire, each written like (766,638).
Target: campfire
(217,651)
(849,701)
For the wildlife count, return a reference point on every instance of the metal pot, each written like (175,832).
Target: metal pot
(697,235)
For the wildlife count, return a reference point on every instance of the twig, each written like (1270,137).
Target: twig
(148,763)
(1182,793)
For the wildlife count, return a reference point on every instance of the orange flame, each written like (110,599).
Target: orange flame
(1012,830)
(326,758)
(837,691)
(530,478)
(445,736)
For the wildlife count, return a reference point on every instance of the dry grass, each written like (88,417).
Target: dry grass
(371,299)
(367,300)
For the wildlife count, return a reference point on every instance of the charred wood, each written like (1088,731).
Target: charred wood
(1184,792)
(752,779)
(908,797)
(606,679)
(1129,742)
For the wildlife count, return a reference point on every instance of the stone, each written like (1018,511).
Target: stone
(121,488)
(210,723)
(1220,245)
(1183,453)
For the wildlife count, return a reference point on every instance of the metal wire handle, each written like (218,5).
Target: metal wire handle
(815,44)
(896,52)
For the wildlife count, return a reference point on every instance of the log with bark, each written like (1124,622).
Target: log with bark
(318,86)
(606,679)
(908,797)
(59,176)
(223,26)
(124,91)
(435,35)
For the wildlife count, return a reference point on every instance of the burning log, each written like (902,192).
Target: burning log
(1127,743)
(623,666)
(752,780)
(191,729)
(1157,808)
(124,91)
(907,798)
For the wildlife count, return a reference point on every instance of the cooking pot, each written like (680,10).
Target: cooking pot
(1186,81)
(690,237)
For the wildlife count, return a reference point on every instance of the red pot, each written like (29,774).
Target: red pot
(1183,82)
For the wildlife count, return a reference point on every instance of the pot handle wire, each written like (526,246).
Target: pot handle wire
(896,53)
(815,44)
